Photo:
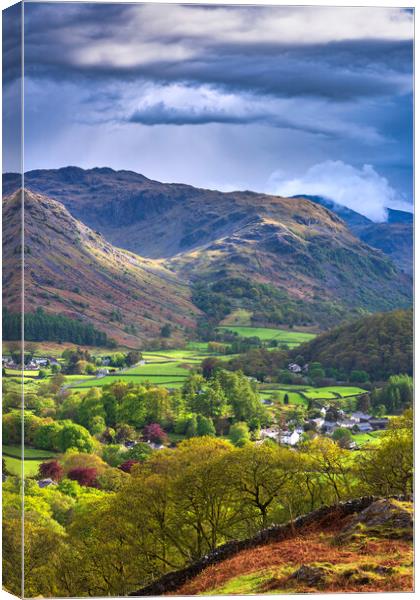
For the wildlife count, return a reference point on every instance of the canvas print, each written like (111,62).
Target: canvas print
(207,299)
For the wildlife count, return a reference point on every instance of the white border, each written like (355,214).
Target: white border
(384,3)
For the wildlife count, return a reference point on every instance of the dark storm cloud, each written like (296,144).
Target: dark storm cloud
(12,43)
(221,96)
(336,70)
(161,114)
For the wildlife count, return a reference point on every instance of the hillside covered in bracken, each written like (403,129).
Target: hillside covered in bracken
(330,551)
(73,271)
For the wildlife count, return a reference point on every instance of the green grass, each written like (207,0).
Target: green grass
(33,458)
(29,453)
(309,393)
(159,369)
(19,373)
(170,381)
(294,397)
(14,466)
(283,336)
(240,316)
(365,438)
(70,378)
(344,392)
(242,584)
(319,394)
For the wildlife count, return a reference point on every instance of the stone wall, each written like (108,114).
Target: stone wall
(174,580)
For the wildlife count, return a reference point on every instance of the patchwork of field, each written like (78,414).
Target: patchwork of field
(282,336)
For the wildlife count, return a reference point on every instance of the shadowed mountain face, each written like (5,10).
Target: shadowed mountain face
(71,270)
(292,244)
(394,237)
(349,216)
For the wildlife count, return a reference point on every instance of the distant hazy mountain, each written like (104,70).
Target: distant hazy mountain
(400,216)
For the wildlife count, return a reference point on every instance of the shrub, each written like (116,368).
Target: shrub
(51,469)
(128,465)
(84,476)
(154,433)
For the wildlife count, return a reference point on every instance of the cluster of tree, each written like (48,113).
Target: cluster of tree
(268,304)
(395,396)
(81,362)
(261,363)
(380,345)
(201,407)
(42,326)
(181,504)
(45,433)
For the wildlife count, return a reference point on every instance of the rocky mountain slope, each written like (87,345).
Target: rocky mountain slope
(363,545)
(393,237)
(72,270)
(295,245)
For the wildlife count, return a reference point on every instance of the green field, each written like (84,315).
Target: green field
(294,397)
(71,378)
(14,466)
(33,458)
(300,394)
(319,394)
(19,373)
(344,391)
(365,438)
(171,381)
(283,336)
(329,393)
(170,368)
(30,453)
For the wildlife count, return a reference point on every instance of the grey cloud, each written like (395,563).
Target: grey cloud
(162,114)
(265,67)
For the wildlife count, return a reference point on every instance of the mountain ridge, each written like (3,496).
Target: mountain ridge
(72,270)
(294,247)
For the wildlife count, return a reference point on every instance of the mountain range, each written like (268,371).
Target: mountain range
(116,243)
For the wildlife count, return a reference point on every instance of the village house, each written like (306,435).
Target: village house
(294,368)
(364,427)
(270,433)
(329,426)
(379,423)
(290,438)
(102,372)
(41,362)
(347,423)
(318,422)
(43,483)
(360,416)
(155,446)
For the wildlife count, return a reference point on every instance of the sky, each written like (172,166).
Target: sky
(285,100)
